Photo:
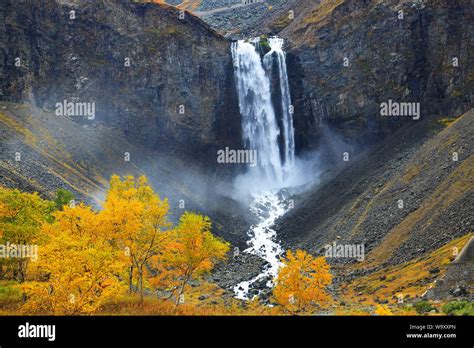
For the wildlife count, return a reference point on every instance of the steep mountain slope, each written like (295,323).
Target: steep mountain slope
(413,280)
(345,59)
(408,197)
(164,80)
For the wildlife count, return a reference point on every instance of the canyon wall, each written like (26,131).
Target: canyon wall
(176,94)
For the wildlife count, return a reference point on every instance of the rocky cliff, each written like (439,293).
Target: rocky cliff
(348,57)
(162,78)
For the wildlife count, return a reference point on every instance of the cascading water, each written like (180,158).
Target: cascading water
(275,166)
(277,55)
(260,129)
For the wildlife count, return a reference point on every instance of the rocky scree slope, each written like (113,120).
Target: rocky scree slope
(361,204)
(235,19)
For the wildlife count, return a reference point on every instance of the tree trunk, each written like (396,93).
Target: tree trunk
(181,291)
(130,280)
(21,271)
(140,280)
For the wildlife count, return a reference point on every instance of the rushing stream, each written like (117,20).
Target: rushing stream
(275,146)
(268,207)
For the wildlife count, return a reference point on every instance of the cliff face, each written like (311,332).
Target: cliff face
(178,93)
(165,81)
(348,56)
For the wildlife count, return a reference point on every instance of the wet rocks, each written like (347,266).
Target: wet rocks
(238,269)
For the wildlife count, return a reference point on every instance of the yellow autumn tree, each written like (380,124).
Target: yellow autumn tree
(21,216)
(135,218)
(86,258)
(192,251)
(301,282)
(77,269)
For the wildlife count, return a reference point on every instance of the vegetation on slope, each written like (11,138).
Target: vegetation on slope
(402,286)
(128,259)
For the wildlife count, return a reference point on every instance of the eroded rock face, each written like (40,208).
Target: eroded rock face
(177,95)
(407,56)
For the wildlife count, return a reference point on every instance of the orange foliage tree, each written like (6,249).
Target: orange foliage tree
(192,251)
(301,282)
(136,219)
(87,257)
(382,310)
(77,268)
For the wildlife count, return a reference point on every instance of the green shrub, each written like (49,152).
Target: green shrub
(459,308)
(63,197)
(423,307)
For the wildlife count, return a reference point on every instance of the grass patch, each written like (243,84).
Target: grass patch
(10,297)
(166,32)
(447,121)
(412,172)
(410,279)
(322,10)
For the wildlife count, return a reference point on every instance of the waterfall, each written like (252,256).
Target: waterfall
(259,125)
(277,56)
(275,147)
